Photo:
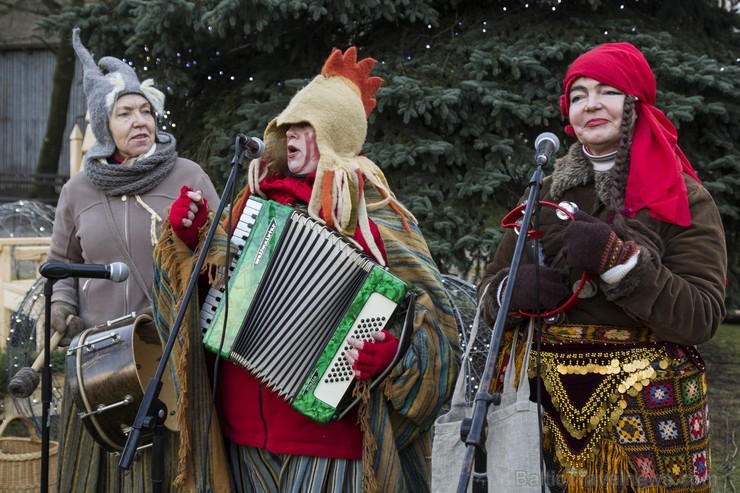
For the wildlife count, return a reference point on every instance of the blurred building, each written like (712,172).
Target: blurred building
(27,63)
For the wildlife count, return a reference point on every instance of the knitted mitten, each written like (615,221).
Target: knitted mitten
(375,356)
(553,288)
(184,211)
(64,320)
(593,246)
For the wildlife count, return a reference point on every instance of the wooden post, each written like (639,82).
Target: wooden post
(79,145)
(75,151)
(87,141)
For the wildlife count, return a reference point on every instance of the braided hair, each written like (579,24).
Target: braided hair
(625,227)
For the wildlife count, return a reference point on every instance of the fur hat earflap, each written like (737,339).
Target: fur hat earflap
(103,84)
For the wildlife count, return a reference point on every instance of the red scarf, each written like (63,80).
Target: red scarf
(657,163)
(290,189)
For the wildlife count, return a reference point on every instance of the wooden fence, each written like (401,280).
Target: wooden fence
(13,288)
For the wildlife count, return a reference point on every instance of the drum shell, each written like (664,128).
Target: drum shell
(114,373)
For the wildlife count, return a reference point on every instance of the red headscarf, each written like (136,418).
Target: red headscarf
(656,162)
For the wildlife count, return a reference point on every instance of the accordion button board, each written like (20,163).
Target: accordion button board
(339,375)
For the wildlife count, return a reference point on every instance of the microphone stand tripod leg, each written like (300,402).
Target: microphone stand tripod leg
(480,473)
(46,388)
(158,458)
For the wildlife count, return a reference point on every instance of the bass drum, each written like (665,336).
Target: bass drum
(109,368)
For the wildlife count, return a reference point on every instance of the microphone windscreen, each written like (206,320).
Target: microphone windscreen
(548,136)
(118,271)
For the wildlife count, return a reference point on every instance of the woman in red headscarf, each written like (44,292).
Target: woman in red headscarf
(623,387)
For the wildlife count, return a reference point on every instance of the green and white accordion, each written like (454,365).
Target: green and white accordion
(297,291)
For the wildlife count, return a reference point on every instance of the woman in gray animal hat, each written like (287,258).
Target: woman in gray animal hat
(113,212)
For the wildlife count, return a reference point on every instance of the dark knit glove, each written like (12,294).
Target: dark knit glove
(553,289)
(375,356)
(592,245)
(186,217)
(64,320)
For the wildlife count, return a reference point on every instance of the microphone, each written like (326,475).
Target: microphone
(546,144)
(116,272)
(252,146)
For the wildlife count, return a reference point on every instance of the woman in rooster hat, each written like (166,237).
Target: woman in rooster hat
(312,161)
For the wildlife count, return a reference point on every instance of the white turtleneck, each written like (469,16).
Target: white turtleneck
(601,163)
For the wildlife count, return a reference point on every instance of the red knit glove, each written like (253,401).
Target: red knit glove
(371,358)
(187,217)
(592,245)
(553,289)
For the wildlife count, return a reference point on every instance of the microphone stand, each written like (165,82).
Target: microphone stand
(46,387)
(152,412)
(475,438)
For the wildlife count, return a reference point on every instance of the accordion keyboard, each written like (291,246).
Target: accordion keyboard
(238,240)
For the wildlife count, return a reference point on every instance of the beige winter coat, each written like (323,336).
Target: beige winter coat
(82,234)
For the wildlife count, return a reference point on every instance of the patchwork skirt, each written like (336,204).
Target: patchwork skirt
(622,411)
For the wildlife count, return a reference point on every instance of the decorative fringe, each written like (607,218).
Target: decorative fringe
(183,415)
(347,202)
(369,445)
(374,175)
(364,222)
(345,199)
(338,195)
(521,350)
(386,387)
(327,198)
(176,257)
(396,209)
(501,361)
(610,472)
(360,183)
(183,418)
(548,442)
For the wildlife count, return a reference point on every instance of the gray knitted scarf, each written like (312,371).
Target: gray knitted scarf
(135,177)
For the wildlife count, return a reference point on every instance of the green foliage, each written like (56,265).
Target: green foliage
(58,361)
(723,372)
(468,86)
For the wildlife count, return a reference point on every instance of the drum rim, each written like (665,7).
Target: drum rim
(82,392)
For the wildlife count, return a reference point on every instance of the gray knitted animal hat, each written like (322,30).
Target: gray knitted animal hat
(103,84)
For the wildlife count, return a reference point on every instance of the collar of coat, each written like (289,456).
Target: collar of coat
(575,170)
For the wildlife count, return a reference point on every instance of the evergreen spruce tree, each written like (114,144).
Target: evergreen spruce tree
(468,87)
